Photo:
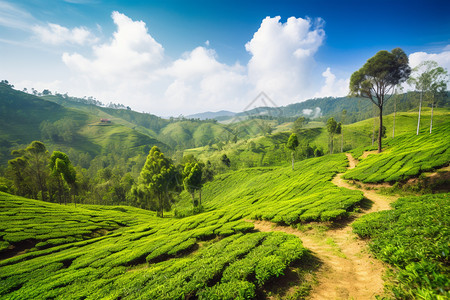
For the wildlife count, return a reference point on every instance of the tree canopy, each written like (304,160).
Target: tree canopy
(62,173)
(157,182)
(292,144)
(193,180)
(378,77)
(431,80)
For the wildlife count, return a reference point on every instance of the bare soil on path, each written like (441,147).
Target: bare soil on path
(347,271)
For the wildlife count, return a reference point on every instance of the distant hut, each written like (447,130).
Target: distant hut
(105,120)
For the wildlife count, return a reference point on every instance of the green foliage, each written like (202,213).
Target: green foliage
(157,181)
(193,179)
(408,155)
(225,160)
(298,124)
(413,238)
(124,252)
(333,128)
(378,77)
(280,195)
(292,142)
(28,171)
(62,173)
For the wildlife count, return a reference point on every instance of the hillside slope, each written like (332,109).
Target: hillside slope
(25,118)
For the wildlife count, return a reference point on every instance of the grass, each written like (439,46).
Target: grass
(413,238)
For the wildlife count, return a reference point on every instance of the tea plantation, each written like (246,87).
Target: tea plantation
(414,239)
(281,195)
(91,252)
(54,251)
(123,252)
(407,155)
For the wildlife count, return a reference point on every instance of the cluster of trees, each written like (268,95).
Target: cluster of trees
(379,77)
(160,181)
(37,174)
(431,81)
(293,144)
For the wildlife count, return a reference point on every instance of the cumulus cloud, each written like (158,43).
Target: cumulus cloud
(443,58)
(132,51)
(56,34)
(283,57)
(199,79)
(333,87)
(132,69)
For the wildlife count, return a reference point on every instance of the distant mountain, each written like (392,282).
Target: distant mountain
(212,115)
(358,109)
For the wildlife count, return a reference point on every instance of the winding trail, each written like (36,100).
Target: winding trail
(347,271)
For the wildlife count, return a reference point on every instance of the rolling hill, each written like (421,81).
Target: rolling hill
(22,117)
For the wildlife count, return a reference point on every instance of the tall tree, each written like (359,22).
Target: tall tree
(157,182)
(421,80)
(438,89)
(193,181)
(332,127)
(292,144)
(38,156)
(378,77)
(431,81)
(398,90)
(29,170)
(64,175)
(298,124)
(344,114)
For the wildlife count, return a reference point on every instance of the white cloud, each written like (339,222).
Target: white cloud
(283,58)
(312,113)
(132,69)
(56,34)
(199,80)
(333,87)
(131,53)
(443,58)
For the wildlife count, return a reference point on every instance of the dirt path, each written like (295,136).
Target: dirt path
(348,271)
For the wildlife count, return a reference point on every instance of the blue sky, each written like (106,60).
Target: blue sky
(179,57)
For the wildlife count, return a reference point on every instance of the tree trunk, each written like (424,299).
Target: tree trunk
(395,109)
(431,122)
(331,143)
(420,109)
(161,206)
(380,129)
(292,160)
(374,125)
(199,197)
